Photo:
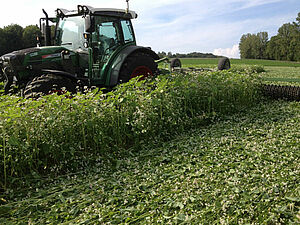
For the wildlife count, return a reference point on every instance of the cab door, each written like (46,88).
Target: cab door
(105,39)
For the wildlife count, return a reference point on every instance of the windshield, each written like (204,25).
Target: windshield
(70,33)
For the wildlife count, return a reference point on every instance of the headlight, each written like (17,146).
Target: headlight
(5,64)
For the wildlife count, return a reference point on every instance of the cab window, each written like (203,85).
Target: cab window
(127,31)
(107,36)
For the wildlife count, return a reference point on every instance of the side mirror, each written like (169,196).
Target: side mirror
(89,24)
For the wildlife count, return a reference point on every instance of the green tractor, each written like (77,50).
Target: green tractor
(90,47)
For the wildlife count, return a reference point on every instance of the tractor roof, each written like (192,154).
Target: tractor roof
(83,9)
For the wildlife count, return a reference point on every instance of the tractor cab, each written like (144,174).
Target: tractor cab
(90,47)
(97,35)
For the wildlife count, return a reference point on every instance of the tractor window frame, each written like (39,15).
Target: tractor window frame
(129,31)
(97,34)
(79,33)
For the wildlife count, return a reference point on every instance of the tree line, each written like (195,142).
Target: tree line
(283,46)
(188,55)
(14,37)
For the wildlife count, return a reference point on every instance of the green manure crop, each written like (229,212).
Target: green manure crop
(242,169)
(58,134)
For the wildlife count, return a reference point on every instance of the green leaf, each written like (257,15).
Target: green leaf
(294,199)
(13,141)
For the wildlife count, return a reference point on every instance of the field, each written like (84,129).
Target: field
(278,72)
(195,149)
(212,62)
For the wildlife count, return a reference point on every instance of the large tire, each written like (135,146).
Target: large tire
(224,64)
(48,84)
(137,64)
(2,77)
(175,63)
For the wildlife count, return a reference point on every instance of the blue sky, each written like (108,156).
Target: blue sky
(178,25)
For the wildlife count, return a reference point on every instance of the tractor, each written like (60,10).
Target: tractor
(90,47)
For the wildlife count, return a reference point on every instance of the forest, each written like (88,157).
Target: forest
(283,46)
(188,55)
(14,37)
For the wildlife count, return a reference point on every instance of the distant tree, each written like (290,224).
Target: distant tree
(13,37)
(284,38)
(288,42)
(170,54)
(298,18)
(284,46)
(29,36)
(188,55)
(162,54)
(251,45)
(244,46)
(263,41)
(2,42)
(272,51)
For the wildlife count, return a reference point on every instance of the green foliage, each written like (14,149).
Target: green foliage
(284,46)
(205,63)
(243,169)
(298,19)
(253,46)
(29,36)
(282,75)
(188,55)
(2,41)
(13,37)
(247,69)
(56,134)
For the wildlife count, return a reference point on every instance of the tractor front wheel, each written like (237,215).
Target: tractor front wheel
(48,84)
(137,64)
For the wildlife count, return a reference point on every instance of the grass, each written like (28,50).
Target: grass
(243,169)
(282,75)
(199,62)
(276,72)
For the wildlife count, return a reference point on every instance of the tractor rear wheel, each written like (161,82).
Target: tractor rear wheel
(137,64)
(48,84)
(2,77)
(224,64)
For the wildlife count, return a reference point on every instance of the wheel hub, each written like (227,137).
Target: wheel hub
(141,70)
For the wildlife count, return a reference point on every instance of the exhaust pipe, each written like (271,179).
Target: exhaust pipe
(47,33)
(127,9)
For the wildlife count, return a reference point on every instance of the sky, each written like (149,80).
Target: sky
(177,26)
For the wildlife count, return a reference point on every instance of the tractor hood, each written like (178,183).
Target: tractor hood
(27,58)
(16,58)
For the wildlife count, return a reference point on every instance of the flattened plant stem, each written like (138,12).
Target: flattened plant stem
(84,138)
(4,162)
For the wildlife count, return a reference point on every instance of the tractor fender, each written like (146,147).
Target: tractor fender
(121,58)
(1,75)
(64,74)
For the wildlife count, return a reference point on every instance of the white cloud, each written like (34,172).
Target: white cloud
(229,52)
(253,3)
